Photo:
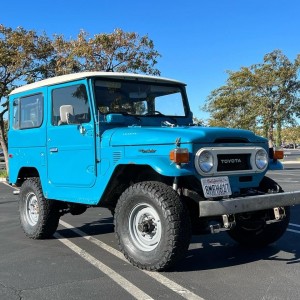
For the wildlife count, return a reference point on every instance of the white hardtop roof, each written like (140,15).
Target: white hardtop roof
(81,75)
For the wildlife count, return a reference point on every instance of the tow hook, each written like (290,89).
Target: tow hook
(228,223)
(279,214)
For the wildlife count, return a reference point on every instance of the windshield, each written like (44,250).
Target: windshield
(139,98)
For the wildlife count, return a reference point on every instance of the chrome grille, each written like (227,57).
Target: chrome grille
(233,162)
(230,160)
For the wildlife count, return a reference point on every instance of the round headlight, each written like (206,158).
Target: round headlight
(261,159)
(206,161)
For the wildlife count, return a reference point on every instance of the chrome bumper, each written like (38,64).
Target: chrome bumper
(210,208)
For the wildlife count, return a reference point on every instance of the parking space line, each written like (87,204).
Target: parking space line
(293,224)
(175,287)
(292,230)
(120,280)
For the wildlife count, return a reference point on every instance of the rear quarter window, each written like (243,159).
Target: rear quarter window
(28,112)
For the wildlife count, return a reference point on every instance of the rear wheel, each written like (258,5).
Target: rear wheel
(251,228)
(39,217)
(152,226)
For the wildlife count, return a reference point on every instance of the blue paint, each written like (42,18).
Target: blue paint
(275,165)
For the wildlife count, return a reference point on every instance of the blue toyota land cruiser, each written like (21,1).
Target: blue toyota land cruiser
(126,142)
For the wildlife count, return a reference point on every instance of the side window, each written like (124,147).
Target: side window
(70,105)
(28,112)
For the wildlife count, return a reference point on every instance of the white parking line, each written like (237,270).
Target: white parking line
(292,230)
(120,280)
(185,293)
(293,224)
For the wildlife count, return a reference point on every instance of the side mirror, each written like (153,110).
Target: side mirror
(66,113)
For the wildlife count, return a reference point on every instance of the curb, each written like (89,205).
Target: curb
(291,162)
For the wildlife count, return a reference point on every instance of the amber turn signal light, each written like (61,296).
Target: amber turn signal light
(180,155)
(278,154)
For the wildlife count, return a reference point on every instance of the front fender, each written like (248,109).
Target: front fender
(275,165)
(161,165)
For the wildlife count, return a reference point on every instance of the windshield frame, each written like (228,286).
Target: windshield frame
(157,83)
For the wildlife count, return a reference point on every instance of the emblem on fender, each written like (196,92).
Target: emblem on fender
(147,150)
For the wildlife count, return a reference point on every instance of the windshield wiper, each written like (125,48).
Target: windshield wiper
(158,113)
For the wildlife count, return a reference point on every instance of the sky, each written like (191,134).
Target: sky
(198,40)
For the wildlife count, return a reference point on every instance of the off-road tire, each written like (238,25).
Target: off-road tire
(255,233)
(39,217)
(172,233)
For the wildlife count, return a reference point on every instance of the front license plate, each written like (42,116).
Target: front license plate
(216,187)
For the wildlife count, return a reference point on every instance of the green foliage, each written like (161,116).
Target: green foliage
(22,56)
(114,52)
(198,122)
(3,174)
(118,52)
(264,95)
(291,135)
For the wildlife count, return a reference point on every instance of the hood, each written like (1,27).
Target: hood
(129,136)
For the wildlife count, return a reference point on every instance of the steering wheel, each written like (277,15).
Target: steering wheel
(155,112)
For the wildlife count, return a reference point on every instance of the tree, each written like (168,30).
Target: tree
(114,52)
(291,135)
(27,57)
(22,54)
(265,94)
(198,122)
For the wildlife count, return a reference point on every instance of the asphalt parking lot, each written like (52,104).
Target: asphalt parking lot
(82,261)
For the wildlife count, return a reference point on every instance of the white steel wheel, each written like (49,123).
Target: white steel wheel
(145,227)
(32,209)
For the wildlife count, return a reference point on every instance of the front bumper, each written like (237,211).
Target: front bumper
(210,208)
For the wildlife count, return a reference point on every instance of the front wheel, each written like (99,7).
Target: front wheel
(251,228)
(39,217)
(152,226)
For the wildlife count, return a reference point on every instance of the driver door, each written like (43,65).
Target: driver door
(71,137)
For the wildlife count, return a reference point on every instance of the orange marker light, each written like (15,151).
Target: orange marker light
(180,155)
(278,154)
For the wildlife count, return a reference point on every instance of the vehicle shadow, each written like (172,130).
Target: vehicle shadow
(219,251)
(100,227)
(208,252)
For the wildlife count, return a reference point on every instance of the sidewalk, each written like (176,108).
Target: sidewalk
(290,162)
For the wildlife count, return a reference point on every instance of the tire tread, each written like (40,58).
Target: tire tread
(174,211)
(49,213)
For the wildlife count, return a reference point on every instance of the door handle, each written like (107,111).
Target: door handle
(53,149)
(82,130)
